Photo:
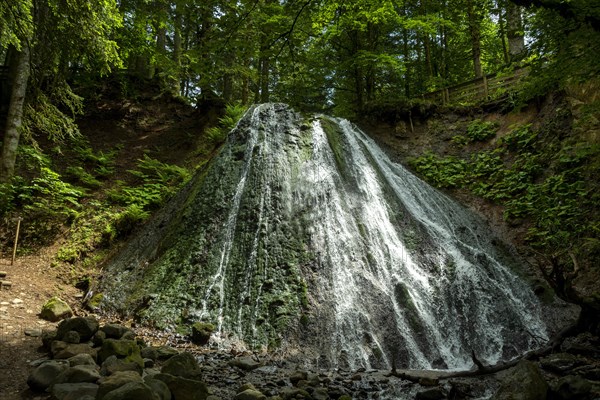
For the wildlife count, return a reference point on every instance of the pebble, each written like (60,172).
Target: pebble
(33,332)
(17,301)
(3,309)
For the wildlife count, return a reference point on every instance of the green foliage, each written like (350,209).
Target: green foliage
(554,190)
(217,134)
(477,131)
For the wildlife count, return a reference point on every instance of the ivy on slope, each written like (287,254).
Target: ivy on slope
(539,177)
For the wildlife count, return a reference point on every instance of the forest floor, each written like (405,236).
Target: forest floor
(33,281)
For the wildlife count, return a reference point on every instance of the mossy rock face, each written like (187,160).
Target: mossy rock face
(128,350)
(56,309)
(201,332)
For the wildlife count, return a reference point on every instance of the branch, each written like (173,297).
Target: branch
(565,9)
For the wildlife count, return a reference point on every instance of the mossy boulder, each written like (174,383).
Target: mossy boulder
(85,327)
(183,364)
(523,382)
(127,350)
(56,309)
(201,332)
(183,388)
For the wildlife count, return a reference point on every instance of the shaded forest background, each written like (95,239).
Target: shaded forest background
(182,72)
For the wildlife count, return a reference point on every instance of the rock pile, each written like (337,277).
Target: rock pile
(92,362)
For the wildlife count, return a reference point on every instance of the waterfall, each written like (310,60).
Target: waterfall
(303,236)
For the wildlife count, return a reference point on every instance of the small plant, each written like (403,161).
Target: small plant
(477,131)
(217,134)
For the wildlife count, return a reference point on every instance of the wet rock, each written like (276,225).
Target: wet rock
(45,374)
(320,394)
(250,394)
(201,332)
(247,363)
(427,381)
(584,344)
(572,387)
(81,359)
(183,364)
(148,363)
(115,381)
(72,350)
(55,309)
(127,350)
(113,365)
(435,393)
(86,327)
(132,390)
(183,388)
(293,393)
(524,382)
(298,376)
(560,362)
(74,391)
(114,331)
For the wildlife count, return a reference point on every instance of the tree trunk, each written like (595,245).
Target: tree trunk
(177,51)
(264,80)
(475,31)
(514,31)
(501,26)
(14,118)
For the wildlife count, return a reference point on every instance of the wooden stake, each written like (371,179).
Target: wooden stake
(16,241)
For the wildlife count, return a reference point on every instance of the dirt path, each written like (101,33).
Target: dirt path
(33,281)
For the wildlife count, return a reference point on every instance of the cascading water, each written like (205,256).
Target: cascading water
(303,235)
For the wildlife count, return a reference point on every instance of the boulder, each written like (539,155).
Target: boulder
(48,336)
(158,387)
(55,309)
(73,391)
(115,381)
(113,364)
(183,388)
(86,327)
(298,376)
(165,352)
(247,363)
(293,393)
(150,352)
(71,337)
(98,338)
(114,331)
(434,393)
(127,350)
(560,362)
(523,382)
(572,387)
(71,350)
(81,359)
(79,374)
(130,391)
(250,394)
(183,364)
(45,374)
(320,394)
(201,332)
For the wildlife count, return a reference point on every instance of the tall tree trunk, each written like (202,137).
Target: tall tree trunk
(14,118)
(473,13)
(264,80)
(514,31)
(501,25)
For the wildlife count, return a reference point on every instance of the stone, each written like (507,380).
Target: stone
(33,332)
(183,364)
(523,382)
(320,394)
(6,285)
(124,349)
(17,301)
(45,374)
(130,391)
(247,363)
(165,352)
(73,391)
(86,327)
(293,393)
(81,359)
(98,338)
(149,352)
(201,332)
(572,387)
(584,344)
(560,362)
(427,381)
(72,350)
(158,387)
(48,336)
(114,331)
(250,394)
(55,309)
(113,364)
(71,337)
(78,374)
(435,393)
(148,363)
(183,388)
(298,376)
(115,381)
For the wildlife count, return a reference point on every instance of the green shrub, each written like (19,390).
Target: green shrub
(477,131)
